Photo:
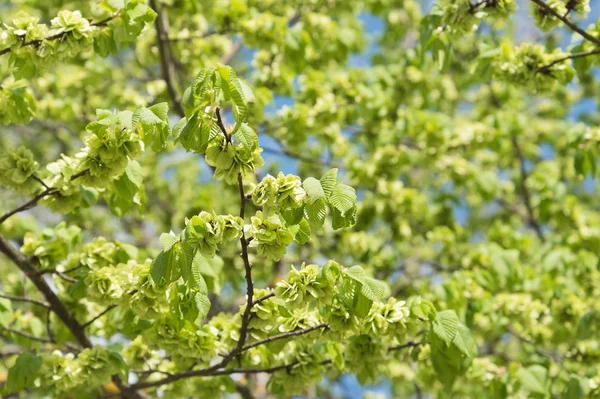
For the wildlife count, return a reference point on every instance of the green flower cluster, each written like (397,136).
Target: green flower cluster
(529,66)
(60,176)
(35,46)
(52,246)
(364,355)
(307,370)
(269,236)
(112,142)
(128,285)
(464,16)
(181,338)
(389,317)
(17,168)
(279,194)
(91,368)
(303,286)
(100,253)
(230,160)
(17,105)
(208,231)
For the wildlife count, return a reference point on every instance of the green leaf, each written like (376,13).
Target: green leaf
(178,128)
(315,213)
(203,304)
(445,326)
(343,198)
(362,304)
(186,259)
(464,342)
(168,240)
(247,137)
(153,125)
(199,281)
(356,273)
(328,181)
(23,373)
(159,270)
(303,234)
(373,289)
(314,190)
(339,221)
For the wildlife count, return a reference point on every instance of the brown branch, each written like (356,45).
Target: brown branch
(222,125)
(58,307)
(582,54)
(525,191)
(108,309)
(409,344)
(28,205)
(244,391)
(167,65)
(34,201)
(566,21)
(27,335)
(40,181)
(25,299)
(248,268)
(283,336)
(264,298)
(57,36)
(216,370)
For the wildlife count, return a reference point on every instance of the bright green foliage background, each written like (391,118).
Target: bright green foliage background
(213,198)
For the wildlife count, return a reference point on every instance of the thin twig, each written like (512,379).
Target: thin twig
(34,201)
(582,54)
(248,268)
(167,64)
(108,309)
(525,191)
(567,22)
(409,344)
(47,271)
(222,125)
(283,336)
(25,299)
(264,298)
(40,181)
(27,335)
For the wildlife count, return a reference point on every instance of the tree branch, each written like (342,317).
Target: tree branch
(105,311)
(25,299)
(525,191)
(165,53)
(283,336)
(27,335)
(57,36)
(582,54)
(264,298)
(248,268)
(217,370)
(566,21)
(58,307)
(34,201)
